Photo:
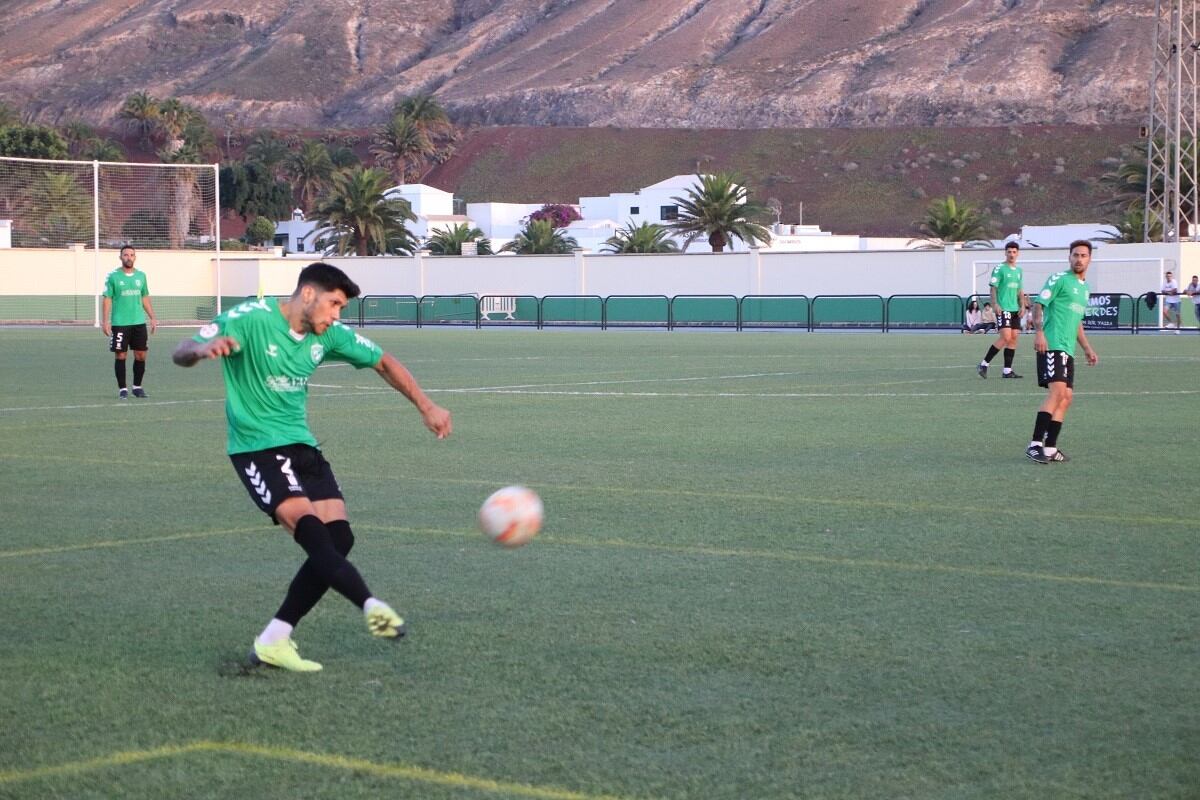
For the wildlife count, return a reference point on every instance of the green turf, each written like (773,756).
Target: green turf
(774,565)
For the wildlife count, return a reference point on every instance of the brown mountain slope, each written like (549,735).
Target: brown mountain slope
(634,63)
(871,181)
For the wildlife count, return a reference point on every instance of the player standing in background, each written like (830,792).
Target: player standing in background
(1008,299)
(268,351)
(126,308)
(1058,320)
(1170,302)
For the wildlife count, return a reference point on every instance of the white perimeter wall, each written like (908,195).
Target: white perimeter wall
(1129,269)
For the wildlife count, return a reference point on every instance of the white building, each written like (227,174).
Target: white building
(434,208)
(296,234)
(1062,235)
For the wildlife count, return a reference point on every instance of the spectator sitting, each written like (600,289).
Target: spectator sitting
(988,321)
(974,318)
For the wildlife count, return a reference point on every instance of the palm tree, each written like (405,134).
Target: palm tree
(947,221)
(402,146)
(310,170)
(101,150)
(433,120)
(357,217)
(449,241)
(62,207)
(644,238)
(173,119)
(184,190)
(269,150)
(718,208)
(1128,186)
(1131,228)
(140,114)
(77,133)
(539,237)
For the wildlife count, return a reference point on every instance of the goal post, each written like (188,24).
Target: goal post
(102,206)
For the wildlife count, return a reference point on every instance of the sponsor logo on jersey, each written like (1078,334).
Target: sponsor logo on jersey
(210,330)
(285,383)
(273,350)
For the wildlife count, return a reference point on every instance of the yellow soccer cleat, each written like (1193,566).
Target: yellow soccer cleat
(384,622)
(283,655)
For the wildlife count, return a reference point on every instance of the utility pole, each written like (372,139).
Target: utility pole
(1171,163)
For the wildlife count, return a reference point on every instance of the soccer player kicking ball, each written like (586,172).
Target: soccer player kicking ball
(268,351)
(1008,298)
(1058,319)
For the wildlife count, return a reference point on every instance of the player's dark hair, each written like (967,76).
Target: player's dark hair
(125,247)
(1080,243)
(328,278)
(1007,245)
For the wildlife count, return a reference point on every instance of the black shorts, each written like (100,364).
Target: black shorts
(1056,366)
(129,337)
(279,473)
(1008,319)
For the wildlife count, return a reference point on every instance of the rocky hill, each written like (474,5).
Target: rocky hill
(628,63)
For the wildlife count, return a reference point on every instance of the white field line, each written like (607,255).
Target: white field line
(560,388)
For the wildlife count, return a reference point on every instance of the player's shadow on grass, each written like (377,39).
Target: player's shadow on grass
(242,667)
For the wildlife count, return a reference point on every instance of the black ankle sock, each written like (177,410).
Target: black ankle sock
(1009,352)
(1052,433)
(991,353)
(119,370)
(1041,426)
(330,566)
(139,369)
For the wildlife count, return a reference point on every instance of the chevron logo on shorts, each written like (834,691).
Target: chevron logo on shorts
(260,485)
(286,468)
(1050,370)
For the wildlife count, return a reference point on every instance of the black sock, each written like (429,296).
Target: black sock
(119,369)
(1008,357)
(1041,426)
(327,563)
(139,369)
(1052,433)
(991,354)
(307,588)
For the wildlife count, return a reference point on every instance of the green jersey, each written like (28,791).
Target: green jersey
(1007,282)
(127,291)
(266,379)
(1064,301)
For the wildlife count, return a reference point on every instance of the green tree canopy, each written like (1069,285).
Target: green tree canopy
(449,241)
(403,147)
(719,210)
(250,190)
(140,115)
(32,141)
(355,216)
(948,221)
(310,170)
(644,238)
(261,231)
(540,237)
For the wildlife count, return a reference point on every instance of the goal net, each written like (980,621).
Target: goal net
(97,206)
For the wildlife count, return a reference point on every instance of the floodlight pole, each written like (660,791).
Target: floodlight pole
(1171,163)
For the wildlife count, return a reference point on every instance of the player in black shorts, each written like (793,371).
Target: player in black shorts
(126,308)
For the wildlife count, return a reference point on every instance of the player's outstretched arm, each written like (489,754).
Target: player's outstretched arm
(436,418)
(189,352)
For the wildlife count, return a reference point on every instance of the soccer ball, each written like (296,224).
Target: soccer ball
(511,516)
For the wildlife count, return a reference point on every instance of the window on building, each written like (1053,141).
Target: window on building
(281,240)
(668,212)
(633,210)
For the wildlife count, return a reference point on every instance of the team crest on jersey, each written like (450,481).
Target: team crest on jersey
(210,330)
(318,352)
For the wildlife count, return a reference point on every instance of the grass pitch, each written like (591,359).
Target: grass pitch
(774,565)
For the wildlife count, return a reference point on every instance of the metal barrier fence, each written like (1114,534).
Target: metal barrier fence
(867,312)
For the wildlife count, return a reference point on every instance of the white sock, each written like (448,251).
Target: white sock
(983,363)
(372,603)
(1006,370)
(1050,450)
(276,631)
(1035,443)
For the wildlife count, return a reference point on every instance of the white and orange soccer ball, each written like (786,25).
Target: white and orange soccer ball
(511,516)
